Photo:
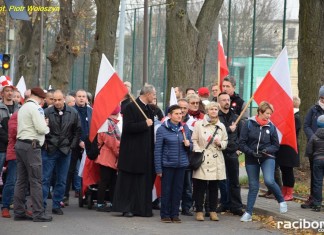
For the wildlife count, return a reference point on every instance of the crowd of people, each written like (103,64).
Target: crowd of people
(44,136)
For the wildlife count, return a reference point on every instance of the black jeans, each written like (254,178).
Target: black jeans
(186,202)
(200,187)
(75,155)
(230,188)
(108,177)
(288,178)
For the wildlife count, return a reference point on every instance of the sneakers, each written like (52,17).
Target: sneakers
(200,216)
(43,218)
(246,217)
(5,213)
(283,207)
(213,216)
(57,211)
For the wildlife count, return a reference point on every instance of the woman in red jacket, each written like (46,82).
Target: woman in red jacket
(109,142)
(8,190)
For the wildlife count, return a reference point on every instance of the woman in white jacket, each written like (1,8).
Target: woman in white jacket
(213,167)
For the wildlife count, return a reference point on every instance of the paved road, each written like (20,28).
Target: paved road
(81,221)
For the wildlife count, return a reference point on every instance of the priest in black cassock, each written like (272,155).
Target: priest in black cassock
(133,192)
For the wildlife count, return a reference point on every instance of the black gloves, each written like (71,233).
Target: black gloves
(257,155)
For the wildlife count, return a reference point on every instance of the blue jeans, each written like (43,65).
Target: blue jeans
(77,178)
(253,172)
(2,160)
(171,191)
(60,162)
(9,187)
(186,202)
(318,174)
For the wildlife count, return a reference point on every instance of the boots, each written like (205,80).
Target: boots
(289,193)
(284,191)
(213,216)
(200,216)
(309,203)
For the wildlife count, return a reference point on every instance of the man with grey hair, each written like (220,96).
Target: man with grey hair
(133,192)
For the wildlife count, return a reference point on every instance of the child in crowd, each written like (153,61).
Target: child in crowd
(315,149)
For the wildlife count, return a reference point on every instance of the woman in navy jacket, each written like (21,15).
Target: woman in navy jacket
(259,142)
(173,142)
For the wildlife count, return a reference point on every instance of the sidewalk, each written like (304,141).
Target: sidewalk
(270,207)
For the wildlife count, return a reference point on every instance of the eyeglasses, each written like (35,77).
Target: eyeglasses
(194,103)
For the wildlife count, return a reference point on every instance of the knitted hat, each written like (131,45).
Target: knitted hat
(320,121)
(5,82)
(203,91)
(321,92)
(38,92)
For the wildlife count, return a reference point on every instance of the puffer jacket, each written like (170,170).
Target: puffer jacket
(213,168)
(169,148)
(315,147)
(310,123)
(256,138)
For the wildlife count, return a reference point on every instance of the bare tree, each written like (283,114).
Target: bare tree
(29,36)
(310,55)
(66,49)
(105,37)
(187,42)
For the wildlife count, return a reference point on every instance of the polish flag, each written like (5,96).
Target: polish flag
(21,86)
(275,88)
(222,65)
(110,91)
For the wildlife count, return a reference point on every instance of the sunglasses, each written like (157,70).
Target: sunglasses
(194,103)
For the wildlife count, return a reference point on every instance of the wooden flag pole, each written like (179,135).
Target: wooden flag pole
(132,98)
(218,76)
(243,111)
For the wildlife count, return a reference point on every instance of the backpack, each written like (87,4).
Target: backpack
(92,148)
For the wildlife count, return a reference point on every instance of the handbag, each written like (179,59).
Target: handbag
(197,158)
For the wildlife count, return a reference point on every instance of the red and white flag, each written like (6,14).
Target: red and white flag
(110,91)
(276,89)
(21,86)
(223,69)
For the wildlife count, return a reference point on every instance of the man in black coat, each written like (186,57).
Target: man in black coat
(133,192)
(231,190)
(64,135)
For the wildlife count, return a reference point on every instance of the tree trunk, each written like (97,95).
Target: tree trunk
(66,49)
(310,57)
(28,59)
(186,43)
(105,37)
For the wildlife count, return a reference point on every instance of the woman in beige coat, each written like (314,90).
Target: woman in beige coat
(213,168)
